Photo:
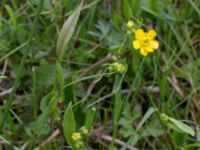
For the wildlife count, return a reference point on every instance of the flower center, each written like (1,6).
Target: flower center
(145,43)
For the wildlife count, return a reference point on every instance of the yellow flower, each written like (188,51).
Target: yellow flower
(145,41)
(76,136)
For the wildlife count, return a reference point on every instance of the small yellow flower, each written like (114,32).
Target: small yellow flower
(76,136)
(145,41)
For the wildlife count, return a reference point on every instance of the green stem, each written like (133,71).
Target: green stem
(16,83)
(117,113)
(112,146)
(35,102)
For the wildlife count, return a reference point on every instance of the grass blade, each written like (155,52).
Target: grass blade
(15,85)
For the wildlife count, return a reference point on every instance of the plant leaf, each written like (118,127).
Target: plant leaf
(118,80)
(182,126)
(67,31)
(89,118)
(69,124)
(127,10)
(149,112)
(118,104)
(177,125)
(12,15)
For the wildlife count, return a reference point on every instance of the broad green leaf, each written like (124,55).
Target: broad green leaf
(149,112)
(89,118)
(67,31)
(69,124)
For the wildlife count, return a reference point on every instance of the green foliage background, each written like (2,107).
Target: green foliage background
(41,75)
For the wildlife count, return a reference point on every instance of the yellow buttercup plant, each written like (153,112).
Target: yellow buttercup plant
(145,41)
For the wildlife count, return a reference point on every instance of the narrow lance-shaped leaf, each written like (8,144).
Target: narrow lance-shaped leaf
(150,111)
(182,126)
(67,31)
(89,118)
(177,125)
(69,124)
(127,10)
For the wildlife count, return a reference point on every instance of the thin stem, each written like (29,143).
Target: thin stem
(16,83)
(35,102)
(95,65)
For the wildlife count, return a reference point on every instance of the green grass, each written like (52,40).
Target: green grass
(54,78)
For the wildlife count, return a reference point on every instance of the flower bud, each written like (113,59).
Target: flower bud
(76,136)
(130,24)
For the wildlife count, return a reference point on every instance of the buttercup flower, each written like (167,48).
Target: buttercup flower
(76,136)
(145,41)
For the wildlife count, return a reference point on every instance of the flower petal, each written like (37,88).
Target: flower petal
(143,51)
(139,34)
(149,49)
(151,34)
(136,44)
(154,44)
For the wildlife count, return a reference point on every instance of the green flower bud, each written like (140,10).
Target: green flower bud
(84,131)
(76,136)
(121,68)
(130,24)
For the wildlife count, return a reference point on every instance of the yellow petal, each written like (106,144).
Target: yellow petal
(149,49)
(136,44)
(154,44)
(151,34)
(139,34)
(143,51)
